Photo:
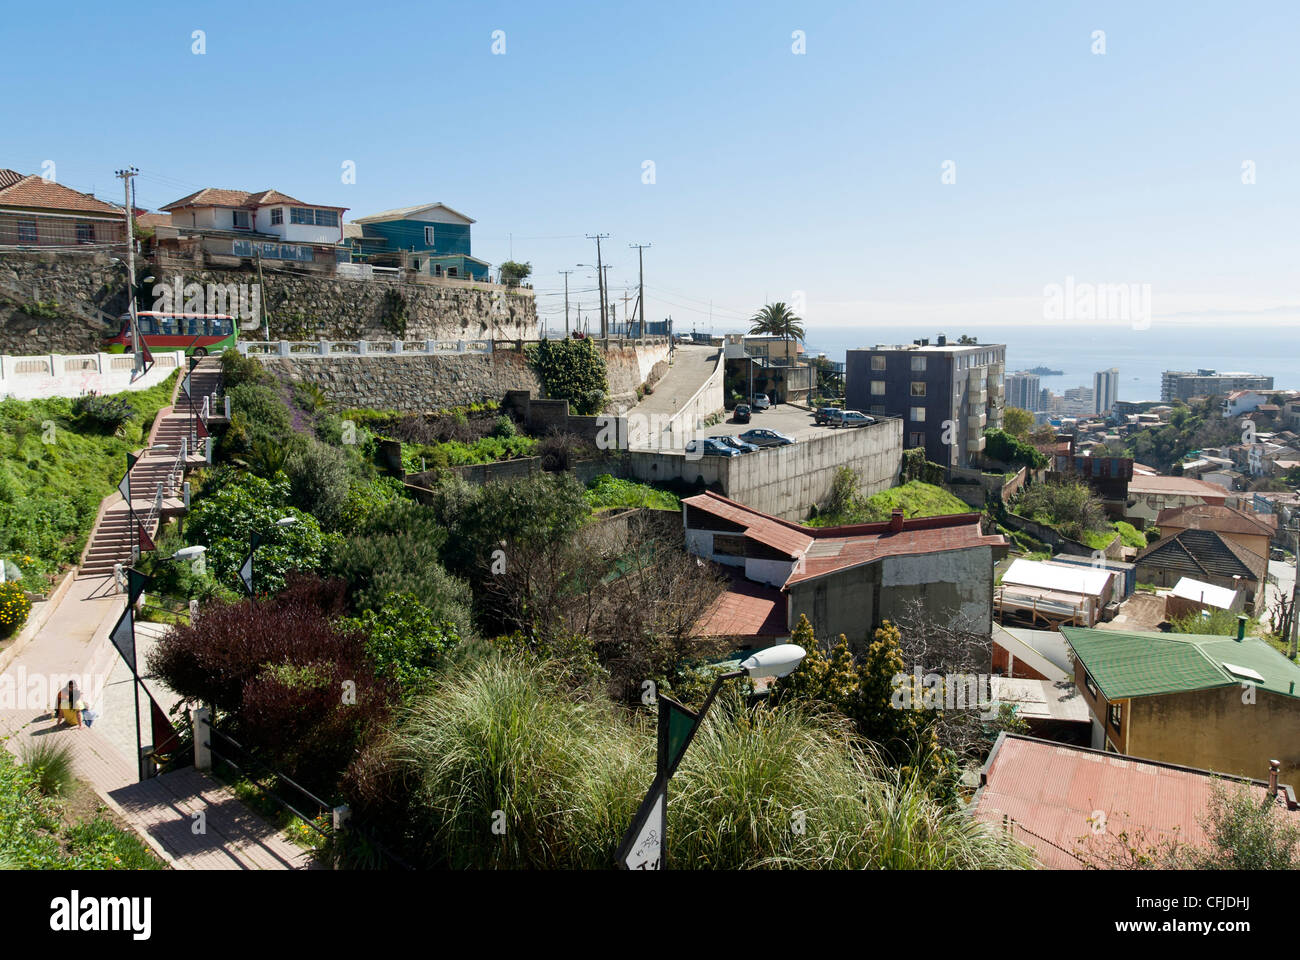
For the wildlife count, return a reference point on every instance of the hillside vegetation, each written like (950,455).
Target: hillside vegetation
(58,459)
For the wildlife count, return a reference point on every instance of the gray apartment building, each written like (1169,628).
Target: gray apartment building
(1023,390)
(1185,384)
(946,393)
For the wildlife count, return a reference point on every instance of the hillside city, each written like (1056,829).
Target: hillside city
(343,529)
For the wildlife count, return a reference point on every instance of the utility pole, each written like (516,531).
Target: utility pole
(627,314)
(126,176)
(566,301)
(600,276)
(1295,587)
(640,269)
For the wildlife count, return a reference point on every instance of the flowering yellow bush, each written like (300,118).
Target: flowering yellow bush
(14,608)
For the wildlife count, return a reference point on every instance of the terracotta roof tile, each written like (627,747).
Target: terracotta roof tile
(825,550)
(216,197)
(37,192)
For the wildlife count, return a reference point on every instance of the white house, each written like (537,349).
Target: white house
(265,213)
(1243,401)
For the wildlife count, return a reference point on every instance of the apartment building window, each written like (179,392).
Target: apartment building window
(277,216)
(878,361)
(916,439)
(878,408)
(85,233)
(1115,714)
(26,231)
(327,218)
(310,217)
(918,388)
(301,215)
(428,236)
(240,219)
(877,388)
(918,414)
(1089,685)
(918,364)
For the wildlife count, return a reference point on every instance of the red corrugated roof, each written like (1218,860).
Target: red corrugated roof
(828,549)
(745,609)
(1220,518)
(1052,791)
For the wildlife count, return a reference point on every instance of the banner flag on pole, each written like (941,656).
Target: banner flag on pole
(246,574)
(146,542)
(123,637)
(199,428)
(135,584)
(125,486)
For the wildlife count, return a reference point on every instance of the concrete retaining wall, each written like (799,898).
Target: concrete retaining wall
(786,481)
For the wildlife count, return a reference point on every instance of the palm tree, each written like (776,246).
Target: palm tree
(777,320)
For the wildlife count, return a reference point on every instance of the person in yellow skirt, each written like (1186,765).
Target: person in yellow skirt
(69,705)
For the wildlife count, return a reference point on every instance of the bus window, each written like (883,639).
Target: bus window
(167,326)
(221,327)
(147,326)
(194,326)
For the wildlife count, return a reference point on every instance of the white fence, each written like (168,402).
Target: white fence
(316,349)
(66,375)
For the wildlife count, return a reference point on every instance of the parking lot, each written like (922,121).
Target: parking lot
(792,421)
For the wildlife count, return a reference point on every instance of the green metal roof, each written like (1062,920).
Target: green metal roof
(1127,664)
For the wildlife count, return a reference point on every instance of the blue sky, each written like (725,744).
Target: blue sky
(777,175)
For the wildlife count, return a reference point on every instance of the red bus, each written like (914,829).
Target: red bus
(194,333)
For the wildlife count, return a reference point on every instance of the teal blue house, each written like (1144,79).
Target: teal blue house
(435,238)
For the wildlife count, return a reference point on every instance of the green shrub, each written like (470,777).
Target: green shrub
(236,369)
(504,428)
(606,491)
(103,413)
(571,369)
(404,639)
(1001,445)
(233,507)
(14,608)
(320,482)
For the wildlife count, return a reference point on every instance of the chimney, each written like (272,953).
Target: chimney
(896,520)
(1241,627)
(1273,767)
(942,341)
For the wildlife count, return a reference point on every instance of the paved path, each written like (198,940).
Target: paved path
(74,644)
(691,366)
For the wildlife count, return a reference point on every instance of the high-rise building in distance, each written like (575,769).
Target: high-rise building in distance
(1105,390)
(1023,391)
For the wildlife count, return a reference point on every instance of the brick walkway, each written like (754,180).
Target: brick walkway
(74,642)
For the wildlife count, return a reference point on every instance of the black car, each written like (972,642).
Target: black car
(742,413)
(823,414)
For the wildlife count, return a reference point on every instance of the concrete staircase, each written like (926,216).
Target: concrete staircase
(111,541)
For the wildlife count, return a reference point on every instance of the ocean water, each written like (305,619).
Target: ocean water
(1080,351)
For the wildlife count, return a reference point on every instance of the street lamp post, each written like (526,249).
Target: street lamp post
(254,541)
(645,845)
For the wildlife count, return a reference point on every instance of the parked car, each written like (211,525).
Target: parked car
(823,414)
(762,437)
(850,418)
(711,447)
(739,444)
(742,413)
(760,401)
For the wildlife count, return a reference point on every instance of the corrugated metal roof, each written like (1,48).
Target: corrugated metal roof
(1128,664)
(1054,792)
(1207,593)
(1065,578)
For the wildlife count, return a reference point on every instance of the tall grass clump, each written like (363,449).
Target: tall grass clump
(503,743)
(50,765)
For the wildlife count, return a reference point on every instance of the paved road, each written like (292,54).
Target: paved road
(691,366)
